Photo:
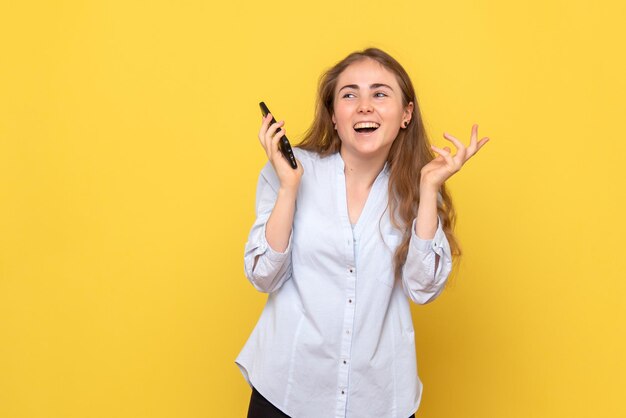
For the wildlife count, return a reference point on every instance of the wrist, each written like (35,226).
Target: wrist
(288,191)
(428,188)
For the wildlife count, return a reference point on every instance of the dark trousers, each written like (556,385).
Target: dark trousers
(262,408)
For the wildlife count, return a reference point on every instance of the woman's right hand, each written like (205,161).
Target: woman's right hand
(269,137)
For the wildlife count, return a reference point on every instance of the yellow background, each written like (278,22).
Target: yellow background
(128,165)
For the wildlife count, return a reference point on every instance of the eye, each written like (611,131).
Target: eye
(381,94)
(347,94)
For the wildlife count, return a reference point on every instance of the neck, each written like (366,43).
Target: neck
(360,171)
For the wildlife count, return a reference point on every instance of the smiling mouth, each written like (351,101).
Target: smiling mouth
(365,130)
(366,127)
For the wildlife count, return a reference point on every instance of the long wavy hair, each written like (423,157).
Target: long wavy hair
(409,152)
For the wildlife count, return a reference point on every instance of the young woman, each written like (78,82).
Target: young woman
(343,242)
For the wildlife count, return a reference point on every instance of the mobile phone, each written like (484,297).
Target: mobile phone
(283,144)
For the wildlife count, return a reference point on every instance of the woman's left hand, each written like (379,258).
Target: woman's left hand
(436,172)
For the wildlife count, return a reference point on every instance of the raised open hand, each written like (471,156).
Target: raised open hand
(436,172)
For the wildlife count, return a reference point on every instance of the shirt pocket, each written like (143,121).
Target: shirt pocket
(390,244)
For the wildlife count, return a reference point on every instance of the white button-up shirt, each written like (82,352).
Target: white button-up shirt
(336,338)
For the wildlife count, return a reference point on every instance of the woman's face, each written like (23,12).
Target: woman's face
(368,111)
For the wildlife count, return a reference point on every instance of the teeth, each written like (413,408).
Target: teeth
(366,125)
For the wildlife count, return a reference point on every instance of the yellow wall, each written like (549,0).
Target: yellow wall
(128,164)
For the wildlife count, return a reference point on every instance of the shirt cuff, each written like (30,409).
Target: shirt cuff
(436,243)
(270,252)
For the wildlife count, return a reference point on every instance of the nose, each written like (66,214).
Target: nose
(365,106)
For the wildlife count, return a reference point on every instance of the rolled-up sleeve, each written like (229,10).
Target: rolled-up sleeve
(421,282)
(272,268)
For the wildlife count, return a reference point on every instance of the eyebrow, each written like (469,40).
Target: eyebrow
(372,86)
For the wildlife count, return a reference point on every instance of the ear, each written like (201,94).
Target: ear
(408,111)
(333,118)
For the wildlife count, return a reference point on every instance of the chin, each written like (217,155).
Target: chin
(367,147)
(372,148)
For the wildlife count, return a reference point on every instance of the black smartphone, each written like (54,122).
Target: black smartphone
(283,144)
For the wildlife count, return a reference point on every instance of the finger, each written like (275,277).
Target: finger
(459,145)
(274,143)
(478,146)
(445,154)
(461,150)
(472,146)
(474,133)
(274,127)
(300,168)
(439,156)
(264,124)
(269,135)
(482,142)
(266,121)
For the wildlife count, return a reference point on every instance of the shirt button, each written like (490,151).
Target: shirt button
(349,300)
(351,270)
(345,362)
(343,392)
(347,331)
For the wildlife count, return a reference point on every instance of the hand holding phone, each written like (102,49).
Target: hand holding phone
(283,143)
